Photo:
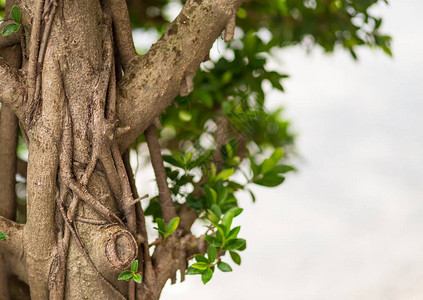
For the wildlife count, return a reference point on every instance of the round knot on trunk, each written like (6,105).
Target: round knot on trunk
(121,249)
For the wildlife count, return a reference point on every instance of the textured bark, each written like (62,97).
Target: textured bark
(11,53)
(71,102)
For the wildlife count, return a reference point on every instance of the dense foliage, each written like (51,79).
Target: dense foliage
(221,138)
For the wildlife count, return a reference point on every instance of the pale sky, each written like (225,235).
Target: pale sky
(349,225)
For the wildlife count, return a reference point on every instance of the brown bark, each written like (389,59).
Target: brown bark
(11,53)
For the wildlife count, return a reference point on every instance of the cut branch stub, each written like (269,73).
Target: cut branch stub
(121,249)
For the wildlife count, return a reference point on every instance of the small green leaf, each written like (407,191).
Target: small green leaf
(3,236)
(212,217)
(125,275)
(212,253)
(277,155)
(213,170)
(270,180)
(161,225)
(220,234)
(235,257)
(10,28)
(173,160)
(201,258)
(137,278)
(281,169)
(229,215)
(194,271)
(211,195)
(173,224)
(267,165)
(238,211)
(225,174)
(216,210)
(200,265)
(207,275)
(233,233)
(16,14)
(134,266)
(224,267)
(235,244)
(212,241)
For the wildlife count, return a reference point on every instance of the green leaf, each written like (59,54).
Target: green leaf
(238,211)
(200,265)
(125,275)
(161,225)
(171,159)
(229,215)
(207,275)
(16,14)
(225,174)
(212,241)
(134,266)
(220,234)
(194,271)
(281,169)
(137,278)
(211,195)
(3,236)
(10,28)
(216,210)
(235,257)
(224,267)
(173,224)
(235,244)
(212,217)
(270,180)
(201,258)
(212,254)
(233,233)
(277,155)
(267,165)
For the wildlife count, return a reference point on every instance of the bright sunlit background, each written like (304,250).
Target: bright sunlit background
(349,224)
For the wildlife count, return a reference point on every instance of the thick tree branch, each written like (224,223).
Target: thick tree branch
(14,231)
(155,79)
(12,91)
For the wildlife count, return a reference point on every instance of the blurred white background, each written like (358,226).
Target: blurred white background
(349,225)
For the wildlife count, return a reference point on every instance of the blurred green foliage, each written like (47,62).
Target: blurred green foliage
(222,138)
(224,125)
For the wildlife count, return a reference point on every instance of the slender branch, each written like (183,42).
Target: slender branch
(165,195)
(8,142)
(169,63)
(21,167)
(34,47)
